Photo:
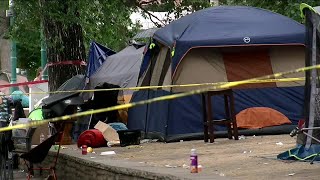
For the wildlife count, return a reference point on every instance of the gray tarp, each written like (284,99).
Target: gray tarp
(120,69)
(147,33)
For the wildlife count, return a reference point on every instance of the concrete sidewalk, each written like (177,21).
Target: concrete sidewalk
(21,175)
(250,158)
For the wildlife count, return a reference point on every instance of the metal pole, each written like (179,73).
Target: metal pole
(43,50)
(313,88)
(13,51)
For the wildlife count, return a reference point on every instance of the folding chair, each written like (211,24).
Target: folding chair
(39,153)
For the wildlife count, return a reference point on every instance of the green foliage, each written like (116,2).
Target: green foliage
(26,33)
(104,21)
(108,21)
(29,59)
(288,8)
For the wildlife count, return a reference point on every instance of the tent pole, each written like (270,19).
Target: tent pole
(148,97)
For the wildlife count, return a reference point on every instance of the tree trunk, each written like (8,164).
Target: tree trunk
(64,43)
(5,64)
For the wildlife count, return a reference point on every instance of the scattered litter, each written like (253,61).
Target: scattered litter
(221,174)
(63,147)
(185,166)
(266,163)
(254,136)
(199,168)
(92,157)
(142,162)
(169,166)
(21,170)
(238,168)
(291,174)
(134,147)
(279,143)
(211,144)
(244,152)
(181,140)
(56,147)
(108,153)
(148,141)
(259,143)
(145,141)
(242,137)
(89,150)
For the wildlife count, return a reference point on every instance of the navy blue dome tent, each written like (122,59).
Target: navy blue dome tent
(219,44)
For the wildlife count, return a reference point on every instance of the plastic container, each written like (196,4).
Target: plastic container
(129,137)
(194,161)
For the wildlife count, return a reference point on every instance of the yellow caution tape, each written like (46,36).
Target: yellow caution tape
(169,86)
(157,99)
(303,6)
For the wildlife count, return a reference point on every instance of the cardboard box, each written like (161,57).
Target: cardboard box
(36,136)
(109,134)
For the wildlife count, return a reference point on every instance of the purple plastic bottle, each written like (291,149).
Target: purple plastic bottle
(194,161)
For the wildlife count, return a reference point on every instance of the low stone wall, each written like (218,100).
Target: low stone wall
(74,168)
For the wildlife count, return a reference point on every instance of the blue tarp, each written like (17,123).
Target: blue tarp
(19,95)
(145,62)
(301,153)
(181,117)
(227,26)
(97,55)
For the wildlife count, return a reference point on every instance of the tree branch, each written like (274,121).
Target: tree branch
(145,3)
(151,15)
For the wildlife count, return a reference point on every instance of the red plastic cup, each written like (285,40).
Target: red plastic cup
(84,149)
